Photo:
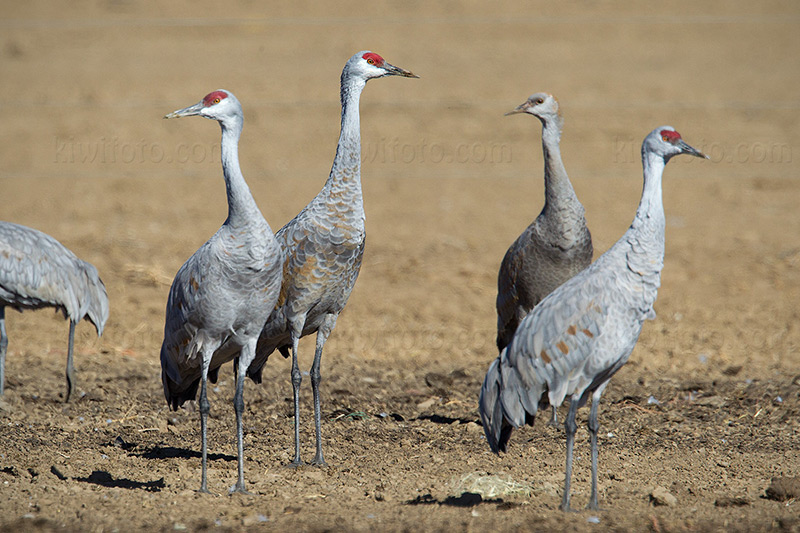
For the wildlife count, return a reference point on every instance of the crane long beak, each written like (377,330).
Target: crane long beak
(521,108)
(691,151)
(186,111)
(392,70)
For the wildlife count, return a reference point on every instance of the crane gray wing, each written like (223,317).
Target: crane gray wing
(550,352)
(183,339)
(322,259)
(38,271)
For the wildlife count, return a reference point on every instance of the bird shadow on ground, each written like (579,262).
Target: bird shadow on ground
(467,499)
(171,452)
(104,479)
(447,420)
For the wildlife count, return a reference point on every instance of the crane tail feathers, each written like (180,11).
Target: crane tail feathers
(491,409)
(504,404)
(175,394)
(93,298)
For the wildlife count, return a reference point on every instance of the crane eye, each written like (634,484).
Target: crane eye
(539,101)
(371,61)
(216,100)
(664,138)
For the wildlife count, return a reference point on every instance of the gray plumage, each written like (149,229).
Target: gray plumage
(555,246)
(574,341)
(225,291)
(38,271)
(323,247)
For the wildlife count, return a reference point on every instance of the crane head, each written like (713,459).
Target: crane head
(368,65)
(216,105)
(540,105)
(666,142)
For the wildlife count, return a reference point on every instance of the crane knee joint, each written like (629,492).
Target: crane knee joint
(204,405)
(238,405)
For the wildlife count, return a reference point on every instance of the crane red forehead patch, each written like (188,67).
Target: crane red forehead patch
(670,136)
(373,59)
(214,98)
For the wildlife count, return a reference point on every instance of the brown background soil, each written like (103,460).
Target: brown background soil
(449,183)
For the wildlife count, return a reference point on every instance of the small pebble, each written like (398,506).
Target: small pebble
(427,404)
(661,496)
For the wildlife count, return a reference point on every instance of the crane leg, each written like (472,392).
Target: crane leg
(246,357)
(70,367)
(297,378)
(322,335)
(3,347)
(205,408)
(570,427)
(593,428)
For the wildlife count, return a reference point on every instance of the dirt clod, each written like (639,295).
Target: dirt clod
(783,488)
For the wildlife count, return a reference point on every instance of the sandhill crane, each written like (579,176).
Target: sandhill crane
(555,246)
(323,247)
(224,292)
(38,271)
(573,342)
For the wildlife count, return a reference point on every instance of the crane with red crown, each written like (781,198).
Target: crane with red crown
(223,294)
(323,247)
(583,332)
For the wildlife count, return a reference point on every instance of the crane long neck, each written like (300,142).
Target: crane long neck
(558,191)
(242,207)
(643,243)
(346,170)
(650,214)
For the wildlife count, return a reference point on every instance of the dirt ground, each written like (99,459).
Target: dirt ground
(694,427)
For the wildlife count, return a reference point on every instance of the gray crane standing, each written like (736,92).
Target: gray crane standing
(224,292)
(38,271)
(555,246)
(323,247)
(573,342)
